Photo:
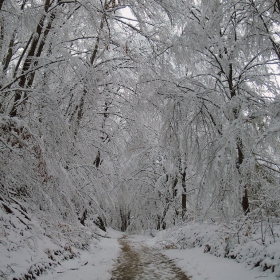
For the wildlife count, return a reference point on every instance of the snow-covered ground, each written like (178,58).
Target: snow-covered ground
(32,248)
(94,264)
(203,266)
(28,248)
(208,251)
(194,262)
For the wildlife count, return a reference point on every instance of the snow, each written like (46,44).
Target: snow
(93,264)
(224,258)
(62,251)
(194,262)
(24,249)
(203,266)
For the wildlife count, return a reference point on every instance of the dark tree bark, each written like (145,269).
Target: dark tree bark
(80,107)
(97,160)
(125,219)
(8,57)
(1,4)
(100,223)
(37,43)
(184,195)
(84,217)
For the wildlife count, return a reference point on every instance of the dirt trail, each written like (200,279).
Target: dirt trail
(139,262)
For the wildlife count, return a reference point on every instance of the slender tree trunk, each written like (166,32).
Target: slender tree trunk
(184,195)
(240,154)
(1,4)
(125,219)
(1,26)
(37,43)
(7,59)
(245,199)
(80,107)
(40,48)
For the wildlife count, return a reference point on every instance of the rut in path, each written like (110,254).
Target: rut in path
(139,262)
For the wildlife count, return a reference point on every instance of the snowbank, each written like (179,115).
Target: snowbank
(32,247)
(95,263)
(251,247)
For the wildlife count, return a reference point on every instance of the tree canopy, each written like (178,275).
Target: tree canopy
(141,114)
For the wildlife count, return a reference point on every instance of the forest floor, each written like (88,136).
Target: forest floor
(132,257)
(176,253)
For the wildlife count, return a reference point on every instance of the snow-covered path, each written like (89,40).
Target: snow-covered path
(139,259)
(198,265)
(139,262)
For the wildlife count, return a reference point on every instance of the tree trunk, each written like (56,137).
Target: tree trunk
(184,195)
(84,217)
(240,155)
(1,4)
(100,223)
(245,199)
(27,80)
(80,107)
(125,219)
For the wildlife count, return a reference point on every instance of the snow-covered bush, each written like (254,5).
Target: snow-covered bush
(32,244)
(243,244)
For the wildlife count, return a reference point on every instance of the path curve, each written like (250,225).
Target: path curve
(139,262)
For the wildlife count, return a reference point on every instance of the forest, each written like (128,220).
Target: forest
(140,115)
